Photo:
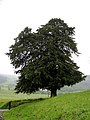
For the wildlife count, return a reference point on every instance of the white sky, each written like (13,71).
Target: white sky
(15,15)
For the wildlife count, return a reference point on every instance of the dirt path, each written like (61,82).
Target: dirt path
(1,113)
(1,118)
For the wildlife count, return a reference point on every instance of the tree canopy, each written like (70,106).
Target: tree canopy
(44,58)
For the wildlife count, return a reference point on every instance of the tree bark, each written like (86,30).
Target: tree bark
(53,92)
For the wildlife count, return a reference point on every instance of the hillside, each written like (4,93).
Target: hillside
(7,79)
(3,79)
(71,106)
(82,86)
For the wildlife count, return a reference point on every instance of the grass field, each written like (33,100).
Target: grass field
(10,95)
(70,106)
(6,94)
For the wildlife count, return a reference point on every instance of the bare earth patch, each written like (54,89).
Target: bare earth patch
(1,113)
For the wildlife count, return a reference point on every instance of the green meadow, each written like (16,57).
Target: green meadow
(10,95)
(68,106)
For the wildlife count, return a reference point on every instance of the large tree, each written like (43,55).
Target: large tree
(43,58)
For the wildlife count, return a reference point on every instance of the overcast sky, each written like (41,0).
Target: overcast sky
(15,15)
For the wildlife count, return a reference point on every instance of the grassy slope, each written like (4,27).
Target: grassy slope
(72,106)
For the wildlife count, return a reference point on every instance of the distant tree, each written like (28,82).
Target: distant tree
(44,58)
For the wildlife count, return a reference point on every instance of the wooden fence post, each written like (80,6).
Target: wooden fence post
(9,105)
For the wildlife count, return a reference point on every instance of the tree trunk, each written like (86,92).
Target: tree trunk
(53,92)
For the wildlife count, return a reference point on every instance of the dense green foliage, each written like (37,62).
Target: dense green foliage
(74,106)
(44,59)
(8,85)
